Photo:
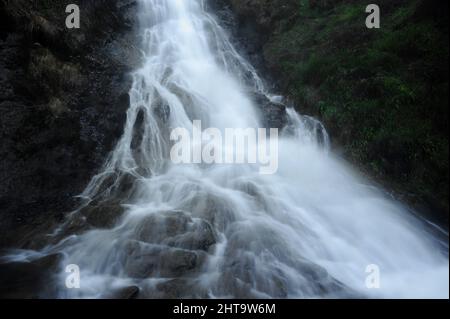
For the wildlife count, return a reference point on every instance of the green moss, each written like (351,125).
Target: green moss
(349,13)
(382,93)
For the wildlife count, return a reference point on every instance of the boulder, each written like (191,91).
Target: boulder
(29,280)
(273,113)
(176,229)
(144,261)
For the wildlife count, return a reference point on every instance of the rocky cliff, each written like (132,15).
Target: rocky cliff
(63,97)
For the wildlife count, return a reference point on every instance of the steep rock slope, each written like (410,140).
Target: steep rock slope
(63,97)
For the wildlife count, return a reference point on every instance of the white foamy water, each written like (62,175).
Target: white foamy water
(310,230)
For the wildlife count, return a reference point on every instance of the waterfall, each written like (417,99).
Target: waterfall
(311,230)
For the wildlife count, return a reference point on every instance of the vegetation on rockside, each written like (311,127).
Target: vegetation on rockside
(383,93)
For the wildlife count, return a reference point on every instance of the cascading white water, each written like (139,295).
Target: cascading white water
(310,230)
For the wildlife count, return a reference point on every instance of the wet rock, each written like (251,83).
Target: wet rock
(177,229)
(57,107)
(163,112)
(103,215)
(131,292)
(264,13)
(274,114)
(216,211)
(246,276)
(141,260)
(177,262)
(75,225)
(145,260)
(157,227)
(44,31)
(138,131)
(114,188)
(51,75)
(200,236)
(259,264)
(29,280)
(178,288)
(229,284)
(64,96)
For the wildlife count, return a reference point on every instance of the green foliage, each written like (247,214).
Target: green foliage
(383,93)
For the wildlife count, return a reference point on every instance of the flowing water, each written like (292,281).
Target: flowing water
(223,231)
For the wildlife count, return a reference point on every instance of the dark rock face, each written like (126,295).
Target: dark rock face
(63,97)
(274,114)
(131,292)
(104,215)
(29,280)
(256,21)
(239,19)
(264,12)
